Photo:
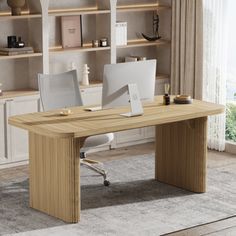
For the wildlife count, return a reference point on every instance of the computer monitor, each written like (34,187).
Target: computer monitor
(117,77)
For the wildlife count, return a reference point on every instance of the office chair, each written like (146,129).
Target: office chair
(60,91)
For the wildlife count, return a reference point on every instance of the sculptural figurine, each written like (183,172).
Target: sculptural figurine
(156,35)
(16,6)
(85,78)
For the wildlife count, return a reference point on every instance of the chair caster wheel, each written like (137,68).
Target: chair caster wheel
(106,182)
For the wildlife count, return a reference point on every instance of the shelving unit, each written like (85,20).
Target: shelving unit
(102,14)
(139,18)
(18,71)
(39,26)
(95,13)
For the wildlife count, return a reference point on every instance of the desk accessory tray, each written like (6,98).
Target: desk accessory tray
(183,99)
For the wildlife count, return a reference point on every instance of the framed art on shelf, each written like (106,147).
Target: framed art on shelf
(71,31)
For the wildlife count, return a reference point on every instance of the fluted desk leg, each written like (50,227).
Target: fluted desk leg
(54,176)
(181,151)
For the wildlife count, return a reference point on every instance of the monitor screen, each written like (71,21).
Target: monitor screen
(117,76)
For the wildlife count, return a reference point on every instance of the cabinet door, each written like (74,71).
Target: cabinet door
(3,134)
(18,138)
(92,96)
(150,132)
(129,137)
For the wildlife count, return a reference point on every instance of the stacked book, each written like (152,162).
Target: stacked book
(121,33)
(16,51)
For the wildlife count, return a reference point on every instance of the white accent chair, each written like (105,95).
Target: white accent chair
(62,91)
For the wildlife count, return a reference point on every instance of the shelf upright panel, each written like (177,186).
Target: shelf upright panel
(113,5)
(45,33)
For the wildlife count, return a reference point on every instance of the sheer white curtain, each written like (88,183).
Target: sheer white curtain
(216,32)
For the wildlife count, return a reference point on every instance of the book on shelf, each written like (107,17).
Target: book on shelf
(71,31)
(121,33)
(16,51)
(131,58)
(135,58)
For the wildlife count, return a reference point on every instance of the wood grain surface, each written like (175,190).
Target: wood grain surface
(181,152)
(54,176)
(84,123)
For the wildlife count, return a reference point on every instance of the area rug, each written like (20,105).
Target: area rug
(134,204)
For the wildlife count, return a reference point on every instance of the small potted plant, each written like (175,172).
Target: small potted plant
(16,6)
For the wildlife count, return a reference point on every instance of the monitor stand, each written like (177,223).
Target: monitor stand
(135,103)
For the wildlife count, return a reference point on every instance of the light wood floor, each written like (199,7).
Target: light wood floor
(219,228)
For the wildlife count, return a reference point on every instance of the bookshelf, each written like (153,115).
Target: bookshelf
(39,27)
(19,71)
(139,17)
(40,22)
(94,14)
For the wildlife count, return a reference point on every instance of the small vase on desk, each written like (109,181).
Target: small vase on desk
(16,6)
(85,78)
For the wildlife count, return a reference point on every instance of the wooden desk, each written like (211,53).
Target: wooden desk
(54,149)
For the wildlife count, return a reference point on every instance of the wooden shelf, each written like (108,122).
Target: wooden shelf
(25,15)
(92,84)
(27,55)
(144,43)
(141,7)
(19,93)
(162,76)
(85,48)
(77,11)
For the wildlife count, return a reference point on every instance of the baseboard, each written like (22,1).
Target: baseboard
(119,145)
(14,164)
(230,147)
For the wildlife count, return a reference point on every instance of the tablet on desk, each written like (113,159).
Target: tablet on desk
(98,108)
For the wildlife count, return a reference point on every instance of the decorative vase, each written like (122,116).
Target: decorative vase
(85,77)
(16,6)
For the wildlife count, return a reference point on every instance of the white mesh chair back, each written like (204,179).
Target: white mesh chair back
(59,90)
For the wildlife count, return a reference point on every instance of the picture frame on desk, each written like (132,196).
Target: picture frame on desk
(71,31)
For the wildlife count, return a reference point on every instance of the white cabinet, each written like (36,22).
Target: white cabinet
(18,138)
(91,96)
(129,137)
(14,141)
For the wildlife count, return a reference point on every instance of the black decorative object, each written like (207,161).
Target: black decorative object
(20,43)
(156,35)
(103,42)
(11,41)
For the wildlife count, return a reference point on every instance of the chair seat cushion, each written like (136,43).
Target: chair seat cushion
(97,141)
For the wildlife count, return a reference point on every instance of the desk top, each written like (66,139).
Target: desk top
(85,123)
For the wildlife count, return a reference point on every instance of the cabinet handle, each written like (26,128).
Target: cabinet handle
(9,100)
